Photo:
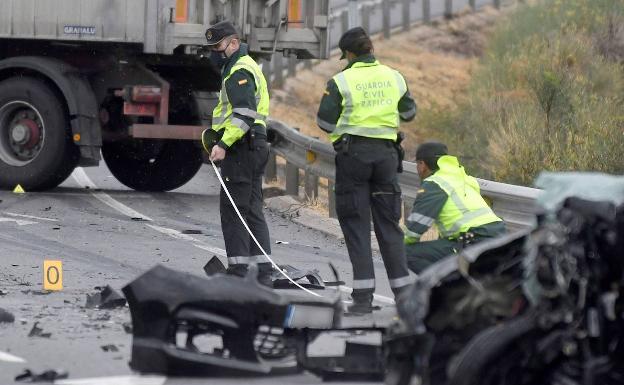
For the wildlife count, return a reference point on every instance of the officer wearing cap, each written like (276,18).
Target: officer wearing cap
(238,133)
(361,109)
(451,200)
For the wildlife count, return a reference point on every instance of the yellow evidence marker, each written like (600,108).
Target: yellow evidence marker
(18,189)
(52,275)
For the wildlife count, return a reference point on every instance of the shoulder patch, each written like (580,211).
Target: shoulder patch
(420,191)
(326,92)
(241,82)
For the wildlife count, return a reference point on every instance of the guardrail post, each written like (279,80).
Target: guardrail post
(266,71)
(407,21)
(278,70)
(311,185)
(292,179)
(366,18)
(331,199)
(344,22)
(292,66)
(270,171)
(385,10)
(426,11)
(473,4)
(448,9)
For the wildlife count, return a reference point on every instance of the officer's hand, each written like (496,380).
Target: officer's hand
(217,153)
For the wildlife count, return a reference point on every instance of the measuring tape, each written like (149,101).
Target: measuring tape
(227,192)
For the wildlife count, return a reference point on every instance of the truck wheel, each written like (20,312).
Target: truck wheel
(36,149)
(153,165)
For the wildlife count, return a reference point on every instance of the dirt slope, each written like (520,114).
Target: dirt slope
(436,60)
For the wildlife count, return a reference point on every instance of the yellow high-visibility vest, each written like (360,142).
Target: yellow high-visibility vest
(465,207)
(370,99)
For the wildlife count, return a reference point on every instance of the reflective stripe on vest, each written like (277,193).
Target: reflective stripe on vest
(222,113)
(370,98)
(465,207)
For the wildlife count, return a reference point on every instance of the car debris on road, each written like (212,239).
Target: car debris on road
(46,376)
(255,329)
(106,298)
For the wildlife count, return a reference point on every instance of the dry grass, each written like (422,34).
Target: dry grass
(437,62)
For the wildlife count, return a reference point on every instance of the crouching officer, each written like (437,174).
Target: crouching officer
(360,110)
(451,200)
(239,120)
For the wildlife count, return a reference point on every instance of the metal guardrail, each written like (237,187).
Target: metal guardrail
(514,204)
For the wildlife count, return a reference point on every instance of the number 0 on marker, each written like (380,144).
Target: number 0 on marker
(52,275)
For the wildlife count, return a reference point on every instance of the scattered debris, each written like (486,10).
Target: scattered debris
(107,298)
(173,320)
(282,243)
(47,208)
(214,266)
(3,292)
(36,331)
(127,326)
(36,292)
(109,348)
(6,317)
(192,232)
(46,376)
(139,219)
(309,279)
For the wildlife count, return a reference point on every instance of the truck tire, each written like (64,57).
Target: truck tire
(36,148)
(153,165)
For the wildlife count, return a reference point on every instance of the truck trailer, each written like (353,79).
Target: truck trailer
(126,81)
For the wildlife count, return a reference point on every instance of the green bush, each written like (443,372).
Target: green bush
(549,94)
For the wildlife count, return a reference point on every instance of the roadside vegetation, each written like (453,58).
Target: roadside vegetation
(548,94)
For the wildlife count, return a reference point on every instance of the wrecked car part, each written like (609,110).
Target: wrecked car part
(568,271)
(36,331)
(107,298)
(361,361)
(6,316)
(189,325)
(314,280)
(46,376)
(214,266)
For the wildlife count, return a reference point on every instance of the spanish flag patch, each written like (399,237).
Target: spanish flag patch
(420,191)
(241,82)
(326,92)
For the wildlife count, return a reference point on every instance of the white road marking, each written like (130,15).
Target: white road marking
(115,380)
(6,357)
(81,177)
(20,222)
(31,217)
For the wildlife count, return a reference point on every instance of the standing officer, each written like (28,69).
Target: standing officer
(450,199)
(360,110)
(240,121)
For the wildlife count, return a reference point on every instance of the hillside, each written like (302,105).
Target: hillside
(437,61)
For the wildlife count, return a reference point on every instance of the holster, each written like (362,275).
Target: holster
(400,150)
(342,144)
(251,138)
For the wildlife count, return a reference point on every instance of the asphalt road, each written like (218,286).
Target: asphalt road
(94,232)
